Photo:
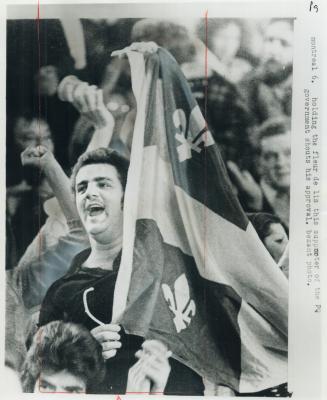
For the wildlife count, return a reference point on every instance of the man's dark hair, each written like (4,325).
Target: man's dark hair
(274,126)
(102,156)
(262,221)
(66,346)
(28,116)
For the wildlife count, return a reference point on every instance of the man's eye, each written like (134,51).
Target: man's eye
(270,156)
(44,387)
(104,184)
(81,189)
(284,43)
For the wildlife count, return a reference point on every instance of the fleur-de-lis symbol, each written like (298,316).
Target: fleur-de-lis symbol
(190,137)
(180,303)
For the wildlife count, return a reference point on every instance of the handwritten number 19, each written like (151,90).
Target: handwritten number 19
(313,7)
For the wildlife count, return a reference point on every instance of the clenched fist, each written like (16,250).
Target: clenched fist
(38,156)
(109,338)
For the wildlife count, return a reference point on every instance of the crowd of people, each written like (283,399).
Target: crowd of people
(59,245)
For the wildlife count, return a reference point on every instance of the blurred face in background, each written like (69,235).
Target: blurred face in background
(32,133)
(276,241)
(226,41)
(47,80)
(278,50)
(275,160)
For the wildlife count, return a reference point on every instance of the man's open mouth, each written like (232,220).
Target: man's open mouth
(94,210)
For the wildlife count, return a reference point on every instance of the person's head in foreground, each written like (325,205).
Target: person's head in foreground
(98,182)
(278,50)
(275,152)
(271,232)
(65,358)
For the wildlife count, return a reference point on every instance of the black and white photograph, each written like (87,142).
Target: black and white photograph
(149,172)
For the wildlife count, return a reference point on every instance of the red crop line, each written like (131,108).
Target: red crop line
(39,57)
(39,117)
(154,393)
(206,66)
(205,137)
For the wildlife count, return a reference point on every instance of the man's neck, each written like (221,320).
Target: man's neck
(103,254)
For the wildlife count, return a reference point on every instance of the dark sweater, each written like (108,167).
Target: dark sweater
(64,301)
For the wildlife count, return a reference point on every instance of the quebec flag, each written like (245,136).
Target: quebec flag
(194,273)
